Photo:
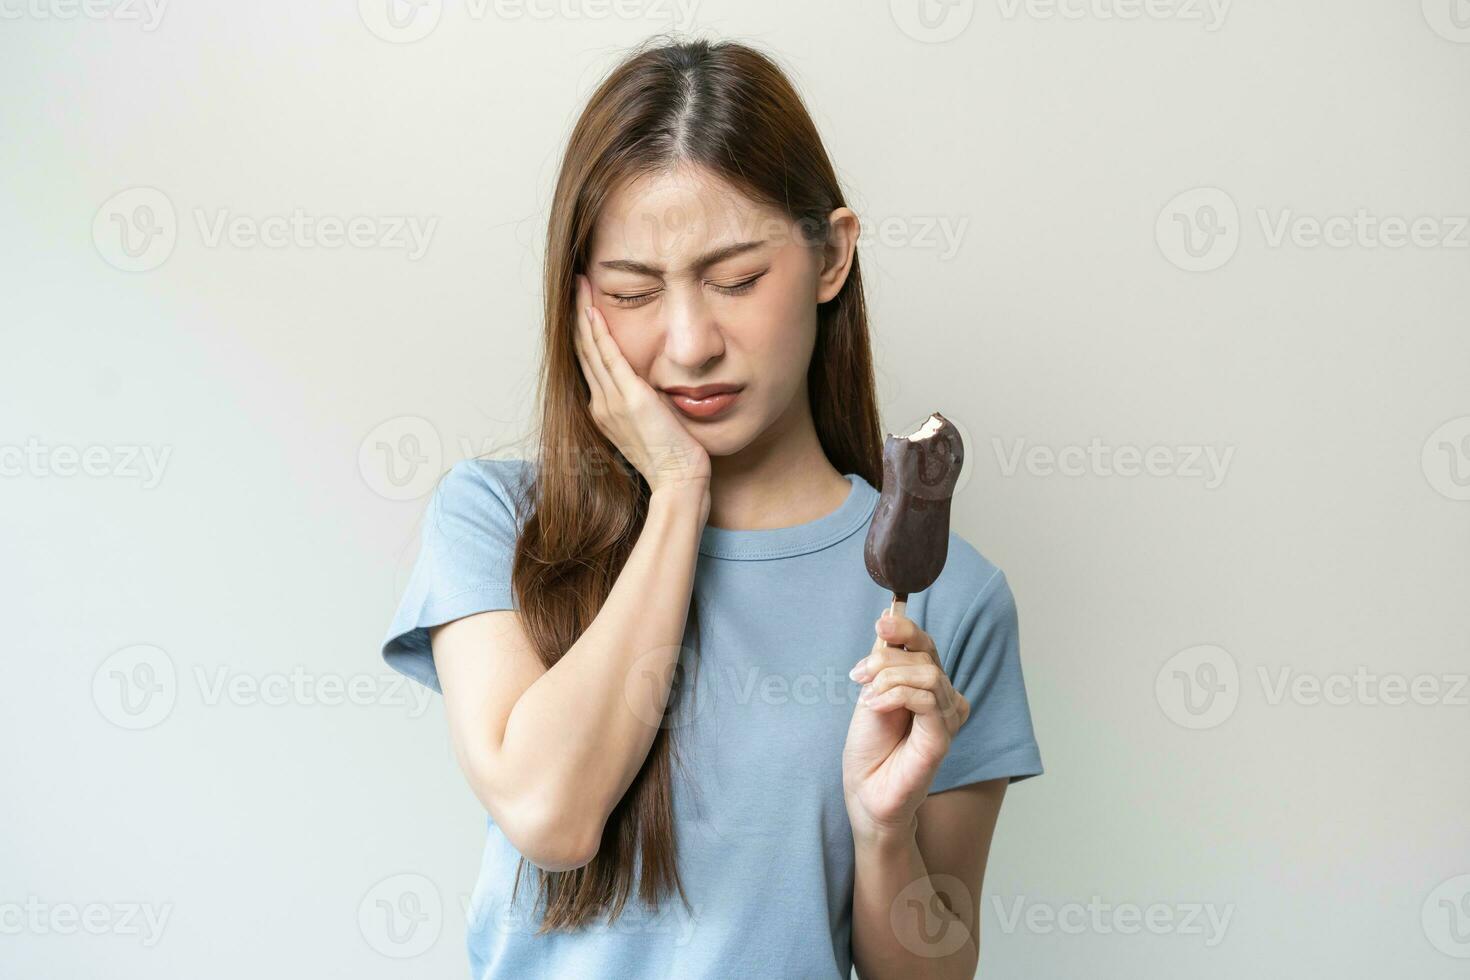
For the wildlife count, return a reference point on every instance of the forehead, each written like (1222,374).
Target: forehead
(670,218)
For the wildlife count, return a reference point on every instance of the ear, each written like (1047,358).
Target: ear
(836,254)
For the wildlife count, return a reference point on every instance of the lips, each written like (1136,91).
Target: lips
(704,401)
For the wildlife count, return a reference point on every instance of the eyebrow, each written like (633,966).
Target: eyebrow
(703,262)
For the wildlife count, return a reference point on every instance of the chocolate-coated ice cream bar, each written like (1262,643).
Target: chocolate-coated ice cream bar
(908,539)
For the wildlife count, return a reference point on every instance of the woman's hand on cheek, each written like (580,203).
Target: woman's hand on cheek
(901,731)
(627,410)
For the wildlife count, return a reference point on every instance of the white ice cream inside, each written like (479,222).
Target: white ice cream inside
(925,431)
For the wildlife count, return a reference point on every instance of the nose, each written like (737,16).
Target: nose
(692,335)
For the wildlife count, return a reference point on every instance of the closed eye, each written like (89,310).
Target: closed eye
(743,286)
(640,299)
(635,299)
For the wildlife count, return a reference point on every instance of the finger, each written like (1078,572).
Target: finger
(917,700)
(926,678)
(948,714)
(881,657)
(590,352)
(900,631)
(611,355)
(593,387)
(580,349)
(597,402)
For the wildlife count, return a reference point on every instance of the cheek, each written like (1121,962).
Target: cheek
(633,339)
(779,325)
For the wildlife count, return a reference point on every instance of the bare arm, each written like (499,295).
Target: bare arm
(916,900)
(551,752)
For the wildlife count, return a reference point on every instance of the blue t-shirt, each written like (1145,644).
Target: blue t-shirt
(764,845)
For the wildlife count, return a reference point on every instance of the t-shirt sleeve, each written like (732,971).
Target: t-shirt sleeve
(984,665)
(466,549)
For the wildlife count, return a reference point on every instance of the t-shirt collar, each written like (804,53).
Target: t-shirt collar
(799,539)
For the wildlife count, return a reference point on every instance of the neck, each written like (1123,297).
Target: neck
(781,479)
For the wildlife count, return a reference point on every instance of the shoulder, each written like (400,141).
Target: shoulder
(479,501)
(969,577)
(477,483)
(970,597)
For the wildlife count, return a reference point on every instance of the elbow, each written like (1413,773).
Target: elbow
(553,837)
(555,841)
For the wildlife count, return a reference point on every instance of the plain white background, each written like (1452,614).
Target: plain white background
(1191,278)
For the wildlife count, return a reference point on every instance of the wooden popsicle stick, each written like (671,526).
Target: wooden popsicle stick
(898,607)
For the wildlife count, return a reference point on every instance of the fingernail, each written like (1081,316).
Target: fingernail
(865,695)
(859,670)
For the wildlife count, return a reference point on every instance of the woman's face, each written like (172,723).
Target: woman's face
(701,286)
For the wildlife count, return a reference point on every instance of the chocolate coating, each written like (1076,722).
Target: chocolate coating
(908,539)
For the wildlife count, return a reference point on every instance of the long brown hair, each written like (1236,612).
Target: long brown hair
(731,111)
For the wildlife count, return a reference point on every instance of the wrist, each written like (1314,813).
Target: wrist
(685,495)
(883,838)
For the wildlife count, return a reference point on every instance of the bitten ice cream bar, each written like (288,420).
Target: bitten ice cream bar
(908,539)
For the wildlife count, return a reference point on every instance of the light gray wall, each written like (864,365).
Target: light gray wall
(202,543)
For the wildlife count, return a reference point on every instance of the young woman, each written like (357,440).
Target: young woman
(703,749)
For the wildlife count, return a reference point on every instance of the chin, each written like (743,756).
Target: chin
(722,443)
